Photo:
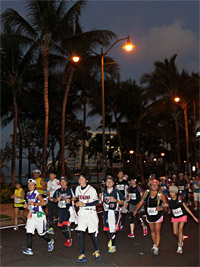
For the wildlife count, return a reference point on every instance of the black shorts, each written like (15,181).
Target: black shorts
(20,208)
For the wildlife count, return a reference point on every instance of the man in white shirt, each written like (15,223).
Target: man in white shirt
(52,185)
(87,200)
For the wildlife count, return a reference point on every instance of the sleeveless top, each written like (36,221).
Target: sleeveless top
(18,202)
(151,204)
(38,185)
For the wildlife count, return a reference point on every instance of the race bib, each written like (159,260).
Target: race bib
(181,187)
(133,196)
(177,212)
(17,200)
(152,211)
(62,204)
(120,186)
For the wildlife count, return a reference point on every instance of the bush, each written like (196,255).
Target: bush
(5,194)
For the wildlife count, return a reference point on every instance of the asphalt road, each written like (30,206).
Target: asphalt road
(130,252)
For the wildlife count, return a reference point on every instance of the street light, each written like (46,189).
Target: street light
(127,47)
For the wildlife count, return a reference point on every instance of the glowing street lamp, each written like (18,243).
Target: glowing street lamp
(177,99)
(75,59)
(128,47)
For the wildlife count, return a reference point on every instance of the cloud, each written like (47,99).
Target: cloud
(162,42)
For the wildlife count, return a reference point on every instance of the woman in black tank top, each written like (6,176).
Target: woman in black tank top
(154,198)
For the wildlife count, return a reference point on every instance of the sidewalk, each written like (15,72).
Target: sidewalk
(8,210)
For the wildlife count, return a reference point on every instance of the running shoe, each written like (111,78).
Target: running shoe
(50,231)
(97,255)
(154,246)
(195,208)
(112,249)
(182,241)
(51,245)
(131,235)
(68,242)
(81,258)
(16,228)
(110,243)
(155,251)
(27,251)
(121,227)
(145,231)
(179,250)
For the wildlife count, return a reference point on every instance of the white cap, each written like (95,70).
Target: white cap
(37,170)
(32,180)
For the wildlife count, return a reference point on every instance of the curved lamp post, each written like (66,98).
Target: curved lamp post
(127,47)
(183,105)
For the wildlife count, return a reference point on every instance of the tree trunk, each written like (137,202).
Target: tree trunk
(140,157)
(177,140)
(29,164)
(71,72)
(46,105)
(20,154)
(83,152)
(187,138)
(14,141)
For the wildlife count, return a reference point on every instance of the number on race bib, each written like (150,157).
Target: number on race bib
(152,211)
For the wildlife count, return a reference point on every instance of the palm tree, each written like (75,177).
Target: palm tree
(164,85)
(15,70)
(44,27)
(80,43)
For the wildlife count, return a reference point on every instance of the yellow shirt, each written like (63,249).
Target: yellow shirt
(19,202)
(38,185)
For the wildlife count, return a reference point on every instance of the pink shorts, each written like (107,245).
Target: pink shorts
(181,219)
(160,220)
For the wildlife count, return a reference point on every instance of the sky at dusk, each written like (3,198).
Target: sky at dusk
(158,29)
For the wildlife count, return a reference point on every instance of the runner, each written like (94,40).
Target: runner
(111,199)
(134,197)
(122,185)
(52,185)
(182,185)
(36,218)
(163,185)
(87,199)
(196,188)
(154,198)
(63,196)
(179,215)
(18,197)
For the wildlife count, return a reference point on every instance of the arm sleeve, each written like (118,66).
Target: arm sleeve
(94,203)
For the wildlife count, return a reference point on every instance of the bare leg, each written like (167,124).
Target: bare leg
(16,216)
(153,232)
(180,233)
(157,230)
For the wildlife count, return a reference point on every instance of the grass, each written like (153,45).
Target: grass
(2,216)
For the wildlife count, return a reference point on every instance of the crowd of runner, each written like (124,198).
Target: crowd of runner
(118,197)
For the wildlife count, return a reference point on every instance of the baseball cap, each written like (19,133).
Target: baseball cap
(37,170)
(63,178)
(173,188)
(32,181)
(162,178)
